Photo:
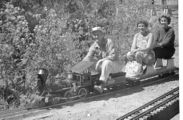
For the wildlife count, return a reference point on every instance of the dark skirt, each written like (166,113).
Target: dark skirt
(164,52)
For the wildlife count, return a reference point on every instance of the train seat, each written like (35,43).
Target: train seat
(115,78)
(169,63)
(113,75)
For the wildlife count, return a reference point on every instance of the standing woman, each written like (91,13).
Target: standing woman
(164,38)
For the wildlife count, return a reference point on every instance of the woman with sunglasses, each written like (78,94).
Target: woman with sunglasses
(104,51)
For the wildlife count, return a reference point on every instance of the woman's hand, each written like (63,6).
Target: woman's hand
(144,50)
(134,50)
(159,45)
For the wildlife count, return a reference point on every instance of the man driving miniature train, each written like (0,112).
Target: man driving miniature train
(105,51)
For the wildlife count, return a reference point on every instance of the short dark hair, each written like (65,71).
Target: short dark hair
(165,16)
(143,22)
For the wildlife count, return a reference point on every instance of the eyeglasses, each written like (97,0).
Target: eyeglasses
(163,20)
(95,35)
(141,26)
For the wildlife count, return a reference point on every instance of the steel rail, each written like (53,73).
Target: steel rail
(155,107)
(147,104)
(137,114)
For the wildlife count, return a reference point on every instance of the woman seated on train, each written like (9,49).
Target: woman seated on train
(164,38)
(107,58)
(141,48)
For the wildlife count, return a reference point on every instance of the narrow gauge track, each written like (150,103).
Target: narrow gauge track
(24,113)
(161,108)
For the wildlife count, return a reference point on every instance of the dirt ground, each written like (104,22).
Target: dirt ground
(113,106)
(110,107)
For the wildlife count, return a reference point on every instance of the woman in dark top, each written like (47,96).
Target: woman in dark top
(164,38)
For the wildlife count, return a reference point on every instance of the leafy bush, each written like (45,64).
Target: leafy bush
(15,41)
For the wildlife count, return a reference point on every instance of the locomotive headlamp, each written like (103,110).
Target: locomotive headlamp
(41,72)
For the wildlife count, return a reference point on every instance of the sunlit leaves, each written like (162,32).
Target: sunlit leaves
(14,42)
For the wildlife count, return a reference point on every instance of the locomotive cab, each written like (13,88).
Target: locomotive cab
(80,84)
(79,78)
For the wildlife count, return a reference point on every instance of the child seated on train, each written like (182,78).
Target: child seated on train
(141,53)
(104,50)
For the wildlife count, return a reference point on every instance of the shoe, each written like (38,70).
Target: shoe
(157,68)
(99,88)
(158,64)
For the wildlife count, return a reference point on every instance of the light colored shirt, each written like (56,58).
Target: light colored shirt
(107,51)
(141,41)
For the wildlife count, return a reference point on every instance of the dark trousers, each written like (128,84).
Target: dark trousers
(164,52)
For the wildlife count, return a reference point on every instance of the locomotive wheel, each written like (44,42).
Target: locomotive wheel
(68,95)
(82,92)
